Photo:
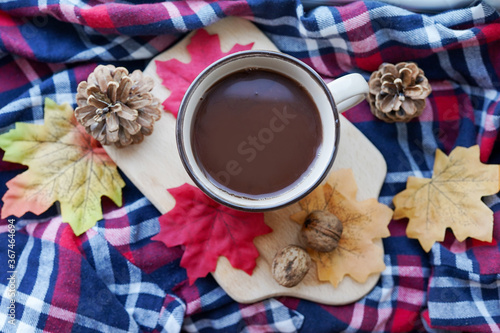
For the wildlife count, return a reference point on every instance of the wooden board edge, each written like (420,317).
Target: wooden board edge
(218,28)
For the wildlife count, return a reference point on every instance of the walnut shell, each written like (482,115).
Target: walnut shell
(321,231)
(290,265)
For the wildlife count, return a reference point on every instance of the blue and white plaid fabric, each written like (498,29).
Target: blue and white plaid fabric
(115,279)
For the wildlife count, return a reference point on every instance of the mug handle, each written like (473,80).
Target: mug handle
(348,91)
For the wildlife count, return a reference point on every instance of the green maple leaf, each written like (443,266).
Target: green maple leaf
(65,164)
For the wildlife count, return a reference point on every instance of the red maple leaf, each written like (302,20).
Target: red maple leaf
(177,76)
(209,230)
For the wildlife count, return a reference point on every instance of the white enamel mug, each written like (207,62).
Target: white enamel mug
(344,93)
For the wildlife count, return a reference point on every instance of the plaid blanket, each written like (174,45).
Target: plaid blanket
(115,279)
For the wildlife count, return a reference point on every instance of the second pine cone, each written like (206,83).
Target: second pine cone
(398,92)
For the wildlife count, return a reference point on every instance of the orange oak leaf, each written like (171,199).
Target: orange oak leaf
(177,76)
(65,164)
(450,199)
(209,230)
(363,222)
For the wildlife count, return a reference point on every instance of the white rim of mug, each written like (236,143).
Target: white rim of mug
(181,123)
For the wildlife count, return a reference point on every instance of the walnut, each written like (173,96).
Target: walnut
(321,231)
(290,265)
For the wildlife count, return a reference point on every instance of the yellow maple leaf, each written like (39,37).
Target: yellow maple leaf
(363,222)
(65,164)
(451,198)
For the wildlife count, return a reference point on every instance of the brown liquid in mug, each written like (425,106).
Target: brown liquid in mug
(256,132)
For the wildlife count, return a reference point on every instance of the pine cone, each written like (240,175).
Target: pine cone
(115,107)
(398,92)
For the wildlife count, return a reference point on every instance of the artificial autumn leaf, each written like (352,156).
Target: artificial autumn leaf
(177,76)
(450,199)
(363,222)
(65,164)
(209,230)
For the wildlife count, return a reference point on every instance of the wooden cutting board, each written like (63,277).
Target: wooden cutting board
(154,166)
